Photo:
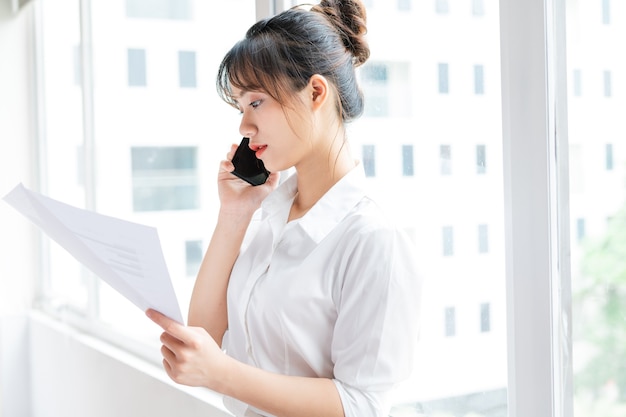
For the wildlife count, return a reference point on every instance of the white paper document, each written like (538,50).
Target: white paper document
(128,256)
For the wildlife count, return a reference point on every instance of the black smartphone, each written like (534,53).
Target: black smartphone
(247,166)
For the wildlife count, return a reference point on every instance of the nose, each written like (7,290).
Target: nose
(246,127)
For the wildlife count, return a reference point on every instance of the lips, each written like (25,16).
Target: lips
(258,149)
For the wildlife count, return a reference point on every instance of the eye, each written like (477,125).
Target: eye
(255,104)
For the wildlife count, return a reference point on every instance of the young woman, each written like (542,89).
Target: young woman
(316,314)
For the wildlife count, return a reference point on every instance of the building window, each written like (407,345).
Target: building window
(478,7)
(607,84)
(483,238)
(481,159)
(404,5)
(165,178)
(606,12)
(408,169)
(447,235)
(442,71)
(445,160)
(485,318)
(187,69)
(137,67)
(159,9)
(375,77)
(369,160)
(193,257)
(578,83)
(479,80)
(581,229)
(608,150)
(442,7)
(450,321)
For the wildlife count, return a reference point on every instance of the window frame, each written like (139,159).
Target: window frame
(534,106)
(534,110)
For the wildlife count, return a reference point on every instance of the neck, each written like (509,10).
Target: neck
(319,173)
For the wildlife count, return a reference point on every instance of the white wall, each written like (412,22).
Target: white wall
(18,239)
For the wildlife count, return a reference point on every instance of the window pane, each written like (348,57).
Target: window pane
(160,9)
(164,178)
(483,238)
(407,160)
(187,69)
(443,78)
(369,160)
(485,317)
(481,159)
(597,138)
(152,144)
(148,137)
(67,286)
(448,128)
(479,80)
(445,160)
(478,7)
(450,322)
(137,67)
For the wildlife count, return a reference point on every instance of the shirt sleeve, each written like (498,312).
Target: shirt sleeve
(377,326)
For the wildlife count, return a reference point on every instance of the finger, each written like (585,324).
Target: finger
(167,324)
(227,166)
(168,355)
(171,343)
(231,153)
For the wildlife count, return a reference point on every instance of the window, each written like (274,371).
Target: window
(483,238)
(577,82)
(485,318)
(450,322)
(447,237)
(607,83)
(481,159)
(407,161)
(478,7)
(369,160)
(67,285)
(375,77)
(187,69)
(606,12)
(193,256)
(159,9)
(597,138)
(479,80)
(443,78)
(441,6)
(445,160)
(580,229)
(165,178)
(608,152)
(154,148)
(136,68)
(404,5)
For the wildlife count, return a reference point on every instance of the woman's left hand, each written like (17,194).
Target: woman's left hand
(190,355)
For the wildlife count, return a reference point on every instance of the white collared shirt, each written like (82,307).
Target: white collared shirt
(334,294)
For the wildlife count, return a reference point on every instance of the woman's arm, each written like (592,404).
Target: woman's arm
(238,202)
(207,308)
(191,357)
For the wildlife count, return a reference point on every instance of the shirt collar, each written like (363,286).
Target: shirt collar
(333,207)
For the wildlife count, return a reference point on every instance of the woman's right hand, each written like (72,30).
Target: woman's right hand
(236,195)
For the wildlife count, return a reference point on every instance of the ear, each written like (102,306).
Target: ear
(319,91)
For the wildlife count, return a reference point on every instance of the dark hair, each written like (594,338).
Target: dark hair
(280,54)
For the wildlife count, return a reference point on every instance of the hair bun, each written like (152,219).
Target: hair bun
(350,19)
